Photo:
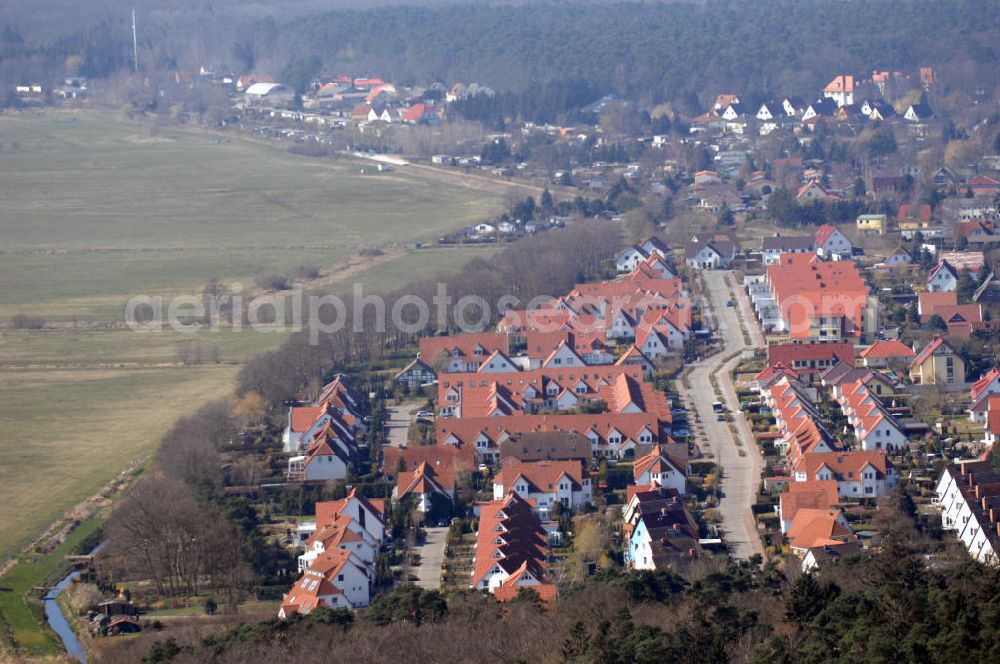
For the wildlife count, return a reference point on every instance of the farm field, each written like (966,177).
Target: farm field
(97,210)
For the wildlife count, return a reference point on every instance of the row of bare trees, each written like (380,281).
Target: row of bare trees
(181,545)
(548,264)
(166,530)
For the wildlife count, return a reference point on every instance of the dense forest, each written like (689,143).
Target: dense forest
(652,52)
(648,52)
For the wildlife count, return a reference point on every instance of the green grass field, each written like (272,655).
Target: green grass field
(14,609)
(96,211)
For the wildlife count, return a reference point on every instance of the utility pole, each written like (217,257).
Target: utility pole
(135,44)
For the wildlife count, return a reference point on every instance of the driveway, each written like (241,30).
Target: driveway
(739,475)
(398,424)
(431,553)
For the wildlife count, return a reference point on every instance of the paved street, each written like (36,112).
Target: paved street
(398,424)
(431,554)
(740,474)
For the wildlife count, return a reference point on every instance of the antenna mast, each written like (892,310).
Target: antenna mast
(135,44)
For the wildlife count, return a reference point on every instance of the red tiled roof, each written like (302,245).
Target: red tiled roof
(788,354)
(920,212)
(888,348)
(929,350)
(842,464)
(815,527)
(629,425)
(841,83)
(984,382)
(543,476)
(303,417)
(466,344)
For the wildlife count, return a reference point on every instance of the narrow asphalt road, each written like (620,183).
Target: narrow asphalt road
(398,424)
(740,474)
(431,554)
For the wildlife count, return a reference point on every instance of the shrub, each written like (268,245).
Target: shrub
(26,322)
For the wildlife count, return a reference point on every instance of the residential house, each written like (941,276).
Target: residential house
(809,360)
(872,224)
(982,185)
(918,113)
(547,446)
(979,396)
(858,473)
(461,353)
(887,354)
(818,300)
(630,258)
(776,245)
(831,243)
(900,258)
(968,495)
(711,251)
(794,106)
(510,544)
(840,90)
(937,364)
(634,357)
(664,466)
(424,483)
(943,277)
(544,483)
(416,373)
(814,528)
(611,435)
(913,219)
(988,292)
(659,533)
(874,427)
(814,191)
(991,430)
(815,494)
(818,556)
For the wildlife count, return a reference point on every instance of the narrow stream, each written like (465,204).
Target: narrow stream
(57,621)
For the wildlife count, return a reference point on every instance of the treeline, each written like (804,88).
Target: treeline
(653,52)
(681,52)
(549,102)
(548,264)
(179,529)
(889,606)
(784,209)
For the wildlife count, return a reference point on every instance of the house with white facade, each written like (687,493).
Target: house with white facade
(544,483)
(943,278)
(859,474)
(830,242)
(982,389)
(663,466)
(510,539)
(968,495)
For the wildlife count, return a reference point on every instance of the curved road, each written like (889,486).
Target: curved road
(740,475)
